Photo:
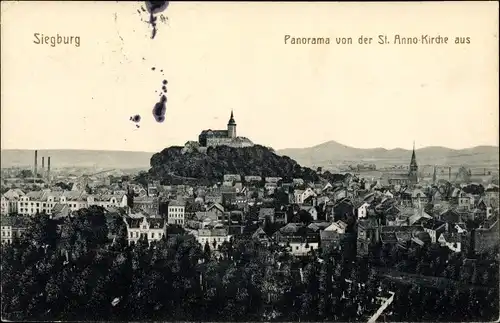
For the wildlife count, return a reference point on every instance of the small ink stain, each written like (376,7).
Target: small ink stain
(164,82)
(164,89)
(136,118)
(153,68)
(161,71)
(137,126)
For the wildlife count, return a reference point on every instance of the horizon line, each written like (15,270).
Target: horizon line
(276,149)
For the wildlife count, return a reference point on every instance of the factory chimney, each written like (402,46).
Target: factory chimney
(36,163)
(449,174)
(43,166)
(48,169)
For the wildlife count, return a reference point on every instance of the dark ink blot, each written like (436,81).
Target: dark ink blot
(164,82)
(161,71)
(153,68)
(137,126)
(159,109)
(142,8)
(164,89)
(155,7)
(136,118)
(152,21)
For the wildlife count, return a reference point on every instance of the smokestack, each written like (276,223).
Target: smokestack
(36,163)
(449,173)
(48,168)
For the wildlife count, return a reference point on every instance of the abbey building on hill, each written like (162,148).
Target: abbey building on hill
(214,138)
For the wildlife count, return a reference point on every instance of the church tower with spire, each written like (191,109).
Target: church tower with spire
(231,127)
(413,174)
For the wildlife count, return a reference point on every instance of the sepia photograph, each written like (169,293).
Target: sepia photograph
(249,161)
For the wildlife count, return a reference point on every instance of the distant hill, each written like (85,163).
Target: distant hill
(333,153)
(211,166)
(77,158)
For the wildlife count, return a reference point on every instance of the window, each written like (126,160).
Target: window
(297,248)
(131,234)
(152,234)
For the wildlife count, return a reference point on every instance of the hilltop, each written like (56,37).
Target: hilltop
(334,153)
(218,161)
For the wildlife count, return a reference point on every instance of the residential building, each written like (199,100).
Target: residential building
(214,237)
(362,210)
(301,195)
(9,201)
(12,226)
(151,228)
(176,212)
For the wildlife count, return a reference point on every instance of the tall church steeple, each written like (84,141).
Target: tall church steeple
(413,161)
(413,174)
(231,126)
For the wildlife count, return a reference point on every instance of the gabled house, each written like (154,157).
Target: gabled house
(452,241)
(311,210)
(419,217)
(213,237)
(434,228)
(419,199)
(151,228)
(261,236)
(465,201)
(266,213)
(216,208)
(338,226)
(301,195)
(362,210)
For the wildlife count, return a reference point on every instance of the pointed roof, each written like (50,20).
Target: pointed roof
(231,119)
(413,157)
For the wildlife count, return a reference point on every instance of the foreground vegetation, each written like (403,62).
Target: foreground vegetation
(72,271)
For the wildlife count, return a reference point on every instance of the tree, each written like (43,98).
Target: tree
(25,173)
(64,186)
(305,217)
(130,198)
(207,251)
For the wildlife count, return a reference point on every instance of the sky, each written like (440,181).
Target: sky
(219,57)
